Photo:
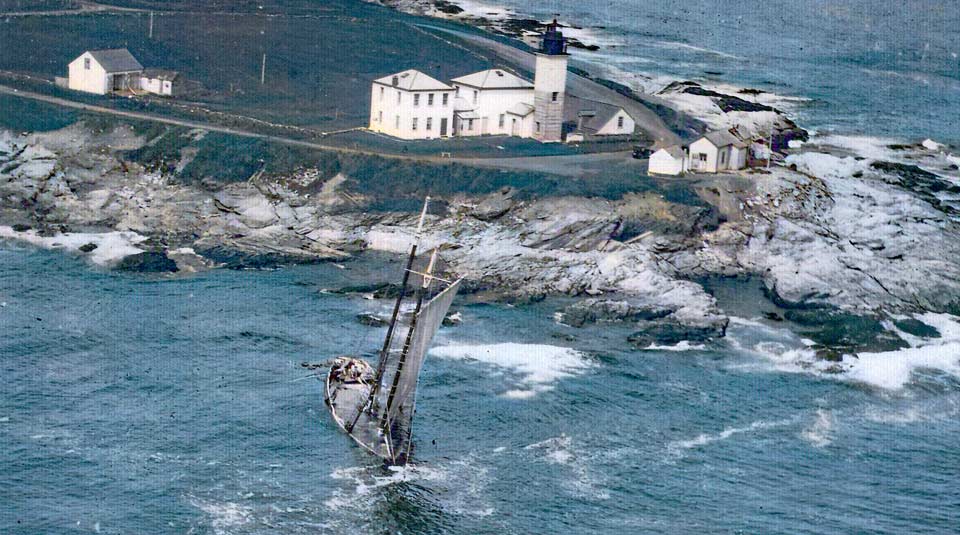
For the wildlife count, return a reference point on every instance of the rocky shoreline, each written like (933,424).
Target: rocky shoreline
(862,236)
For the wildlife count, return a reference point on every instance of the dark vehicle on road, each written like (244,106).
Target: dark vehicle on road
(641,153)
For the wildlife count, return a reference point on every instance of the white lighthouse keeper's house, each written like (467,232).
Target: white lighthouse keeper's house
(104,71)
(411,105)
(550,82)
(497,101)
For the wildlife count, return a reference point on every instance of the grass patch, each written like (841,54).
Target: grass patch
(25,115)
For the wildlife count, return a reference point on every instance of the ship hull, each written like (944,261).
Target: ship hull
(343,395)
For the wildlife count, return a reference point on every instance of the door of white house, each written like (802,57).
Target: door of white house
(514,128)
(443,127)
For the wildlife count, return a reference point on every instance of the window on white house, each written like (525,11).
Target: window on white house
(381,93)
(554,96)
(502,119)
(458,91)
(446,98)
(430,99)
(702,156)
(429,123)
(620,122)
(723,157)
(416,100)
(399,94)
(86,63)
(538,126)
(475,93)
(469,124)
(380,117)
(397,123)
(414,123)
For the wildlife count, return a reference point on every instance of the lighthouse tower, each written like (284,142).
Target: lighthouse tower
(549,85)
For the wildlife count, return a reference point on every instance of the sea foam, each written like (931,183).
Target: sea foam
(894,369)
(538,366)
(888,370)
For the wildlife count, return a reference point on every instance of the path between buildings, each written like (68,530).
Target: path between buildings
(567,165)
(647,120)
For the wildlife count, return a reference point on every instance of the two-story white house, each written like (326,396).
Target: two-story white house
(104,71)
(493,102)
(411,105)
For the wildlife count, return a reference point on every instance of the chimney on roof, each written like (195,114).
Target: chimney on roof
(396,81)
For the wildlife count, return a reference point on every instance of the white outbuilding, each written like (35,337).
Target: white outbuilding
(160,82)
(411,105)
(717,151)
(493,102)
(104,71)
(593,118)
(669,161)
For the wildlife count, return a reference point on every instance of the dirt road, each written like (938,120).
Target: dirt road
(572,165)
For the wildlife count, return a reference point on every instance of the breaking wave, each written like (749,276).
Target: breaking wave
(925,358)
(538,366)
(707,438)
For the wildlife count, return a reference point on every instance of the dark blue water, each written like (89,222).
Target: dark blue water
(870,67)
(135,404)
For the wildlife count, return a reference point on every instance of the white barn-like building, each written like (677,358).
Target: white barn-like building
(717,151)
(104,71)
(411,105)
(593,118)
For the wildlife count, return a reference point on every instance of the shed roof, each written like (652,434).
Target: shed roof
(521,109)
(413,80)
(160,74)
(675,151)
(723,138)
(493,79)
(116,60)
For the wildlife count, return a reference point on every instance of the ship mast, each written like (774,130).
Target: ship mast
(385,420)
(385,350)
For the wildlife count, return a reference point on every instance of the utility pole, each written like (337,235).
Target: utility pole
(151,25)
(263,69)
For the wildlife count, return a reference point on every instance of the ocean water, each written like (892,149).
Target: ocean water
(868,67)
(145,404)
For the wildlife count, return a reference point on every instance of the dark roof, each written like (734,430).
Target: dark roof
(595,114)
(116,60)
(722,138)
(162,74)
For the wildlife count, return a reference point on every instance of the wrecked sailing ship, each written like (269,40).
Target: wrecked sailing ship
(375,406)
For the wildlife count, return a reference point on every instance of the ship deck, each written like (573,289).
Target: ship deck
(343,398)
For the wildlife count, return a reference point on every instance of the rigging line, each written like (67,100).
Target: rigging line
(429,276)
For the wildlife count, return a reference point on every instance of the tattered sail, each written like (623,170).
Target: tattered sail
(376,406)
(401,391)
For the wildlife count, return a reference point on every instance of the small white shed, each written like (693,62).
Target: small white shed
(668,161)
(104,71)
(717,151)
(160,82)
